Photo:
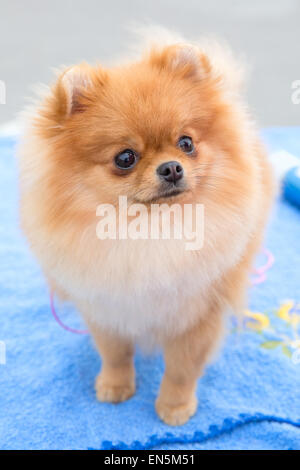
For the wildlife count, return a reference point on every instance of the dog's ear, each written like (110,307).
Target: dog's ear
(208,60)
(76,87)
(75,82)
(185,60)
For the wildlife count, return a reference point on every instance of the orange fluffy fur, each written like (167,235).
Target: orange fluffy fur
(132,290)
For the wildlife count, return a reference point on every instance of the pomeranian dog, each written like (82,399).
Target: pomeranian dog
(169,127)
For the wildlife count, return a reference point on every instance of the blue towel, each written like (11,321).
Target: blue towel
(248,399)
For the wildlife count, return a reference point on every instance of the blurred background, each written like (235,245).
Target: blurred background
(37,36)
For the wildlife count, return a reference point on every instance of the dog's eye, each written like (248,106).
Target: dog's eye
(185,143)
(126,159)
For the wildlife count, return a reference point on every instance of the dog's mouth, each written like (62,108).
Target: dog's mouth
(167,193)
(170,193)
(162,194)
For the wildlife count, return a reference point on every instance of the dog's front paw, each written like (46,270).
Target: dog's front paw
(176,415)
(113,393)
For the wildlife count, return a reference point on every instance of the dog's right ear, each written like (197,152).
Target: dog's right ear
(75,89)
(75,82)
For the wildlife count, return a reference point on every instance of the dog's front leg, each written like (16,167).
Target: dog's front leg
(116,380)
(185,358)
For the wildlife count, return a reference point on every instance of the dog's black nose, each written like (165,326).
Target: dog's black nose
(170,171)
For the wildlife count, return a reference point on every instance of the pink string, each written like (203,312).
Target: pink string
(65,327)
(261,273)
(259,280)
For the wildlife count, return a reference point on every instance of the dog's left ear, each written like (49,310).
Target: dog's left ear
(186,60)
(210,60)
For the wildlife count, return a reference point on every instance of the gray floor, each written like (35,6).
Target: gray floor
(36,36)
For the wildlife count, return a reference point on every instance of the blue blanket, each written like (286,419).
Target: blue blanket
(248,399)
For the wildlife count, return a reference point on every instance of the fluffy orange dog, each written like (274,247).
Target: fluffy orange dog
(167,128)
